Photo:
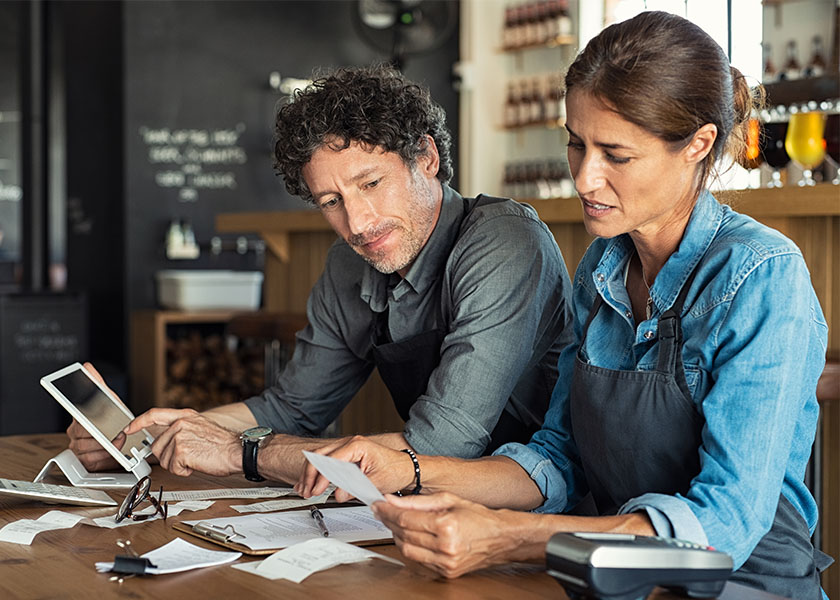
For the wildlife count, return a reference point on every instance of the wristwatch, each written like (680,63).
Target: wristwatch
(252,440)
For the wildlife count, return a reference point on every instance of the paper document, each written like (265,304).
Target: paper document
(298,562)
(280,530)
(347,476)
(179,555)
(263,492)
(284,504)
(25,530)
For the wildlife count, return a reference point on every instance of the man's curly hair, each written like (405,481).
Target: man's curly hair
(375,106)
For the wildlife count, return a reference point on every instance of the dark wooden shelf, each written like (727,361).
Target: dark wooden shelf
(803,90)
(560,40)
(548,124)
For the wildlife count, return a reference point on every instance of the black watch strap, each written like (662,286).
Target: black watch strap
(249,460)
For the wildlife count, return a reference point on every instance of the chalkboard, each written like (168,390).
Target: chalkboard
(39,333)
(199,110)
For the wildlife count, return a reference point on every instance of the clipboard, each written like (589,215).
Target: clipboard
(224,532)
(217,535)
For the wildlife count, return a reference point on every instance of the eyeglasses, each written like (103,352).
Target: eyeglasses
(138,494)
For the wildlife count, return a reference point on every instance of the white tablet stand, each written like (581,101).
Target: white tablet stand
(76,473)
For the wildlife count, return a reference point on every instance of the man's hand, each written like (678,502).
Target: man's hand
(191,442)
(389,470)
(450,535)
(90,452)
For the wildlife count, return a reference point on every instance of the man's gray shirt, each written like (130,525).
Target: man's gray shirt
(491,275)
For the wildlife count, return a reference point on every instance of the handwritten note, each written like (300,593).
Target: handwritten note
(298,562)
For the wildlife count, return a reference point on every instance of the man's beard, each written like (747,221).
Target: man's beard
(420,220)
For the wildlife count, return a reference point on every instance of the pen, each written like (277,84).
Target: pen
(319,518)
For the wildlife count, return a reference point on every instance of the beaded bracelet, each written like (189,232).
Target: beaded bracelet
(417,486)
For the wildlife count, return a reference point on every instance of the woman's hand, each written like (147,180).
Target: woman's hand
(454,536)
(389,470)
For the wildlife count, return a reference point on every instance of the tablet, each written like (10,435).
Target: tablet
(100,412)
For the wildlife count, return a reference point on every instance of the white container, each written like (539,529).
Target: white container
(208,290)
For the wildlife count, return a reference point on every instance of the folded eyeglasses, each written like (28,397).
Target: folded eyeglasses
(137,495)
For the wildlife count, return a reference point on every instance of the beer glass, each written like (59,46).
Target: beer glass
(805,142)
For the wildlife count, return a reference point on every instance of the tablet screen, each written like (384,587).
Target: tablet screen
(93,403)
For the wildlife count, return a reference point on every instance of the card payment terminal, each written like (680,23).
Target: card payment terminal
(624,567)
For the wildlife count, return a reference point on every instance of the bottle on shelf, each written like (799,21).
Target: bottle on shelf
(549,20)
(816,66)
(512,106)
(564,20)
(524,104)
(533,27)
(555,104)
(769,73)
(509,29)
(537,102)
(792,68)
(521,28)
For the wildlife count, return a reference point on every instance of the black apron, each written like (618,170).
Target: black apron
(405,367)
(639,432)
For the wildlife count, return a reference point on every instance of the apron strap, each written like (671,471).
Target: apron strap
(669,331)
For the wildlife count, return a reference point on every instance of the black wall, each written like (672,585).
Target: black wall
(199,70)
(149,84)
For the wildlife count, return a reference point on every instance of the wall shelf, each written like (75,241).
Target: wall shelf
(560,40)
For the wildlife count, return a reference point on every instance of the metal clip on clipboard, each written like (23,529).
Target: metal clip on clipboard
(220,534)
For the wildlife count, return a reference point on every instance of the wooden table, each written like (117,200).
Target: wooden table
(60,564)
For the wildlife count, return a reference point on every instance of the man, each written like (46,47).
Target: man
(460,303)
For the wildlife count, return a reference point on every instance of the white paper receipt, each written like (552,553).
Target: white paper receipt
(298,562)
(347,476)
(25,530)
(177,556)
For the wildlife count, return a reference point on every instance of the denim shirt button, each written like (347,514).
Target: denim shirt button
(628,314)
(649,335)
(599,277)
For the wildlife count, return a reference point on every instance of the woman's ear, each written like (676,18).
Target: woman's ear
(701,144)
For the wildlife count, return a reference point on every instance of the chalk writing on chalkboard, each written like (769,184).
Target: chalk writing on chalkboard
(45,339)
(189,160)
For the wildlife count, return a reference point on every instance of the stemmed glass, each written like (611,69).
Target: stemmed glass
(773,150)
(805,143)
(832,143)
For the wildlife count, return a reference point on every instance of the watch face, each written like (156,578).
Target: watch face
(255,433)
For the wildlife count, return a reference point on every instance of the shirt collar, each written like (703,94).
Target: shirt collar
(429,264)
(703,225)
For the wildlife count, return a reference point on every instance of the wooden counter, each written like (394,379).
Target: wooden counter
(60,564)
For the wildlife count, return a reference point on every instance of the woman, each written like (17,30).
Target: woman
(686,405)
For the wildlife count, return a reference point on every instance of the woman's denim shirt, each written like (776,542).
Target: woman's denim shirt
(755,342)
